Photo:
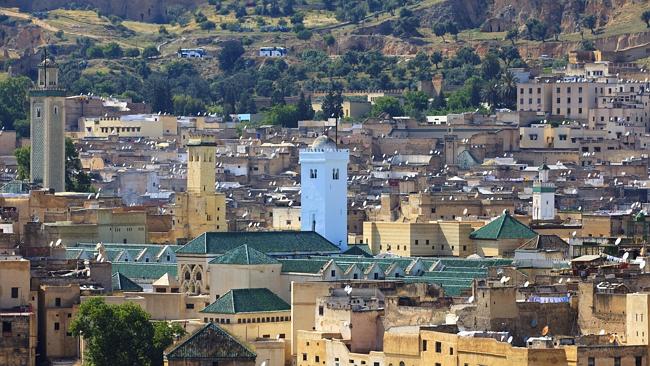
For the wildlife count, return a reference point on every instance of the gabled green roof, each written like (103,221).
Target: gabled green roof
(250,300)
(211,344)
(244,255)
(145,271)
(270,243)
(302,265)
(359,250)
(504,227)
(123,283)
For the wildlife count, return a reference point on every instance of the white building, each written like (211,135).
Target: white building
(323,181)
(273,51)
(543,196)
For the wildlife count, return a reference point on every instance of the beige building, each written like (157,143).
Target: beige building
(407,239)
(201,208)
(18,308)
(57,308)
(100,225)
(147,126)
(286,218)
(258,317)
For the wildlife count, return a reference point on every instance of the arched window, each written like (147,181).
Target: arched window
(38,112)
(198,276)
(315,173)
(335,174)
(187,275)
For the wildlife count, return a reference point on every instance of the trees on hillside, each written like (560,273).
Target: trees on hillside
(645,16)
(230,52)
(589,22)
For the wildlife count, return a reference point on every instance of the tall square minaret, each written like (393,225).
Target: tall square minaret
(324,197)
(47,113)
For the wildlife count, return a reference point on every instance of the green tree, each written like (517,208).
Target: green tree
(387,105)
(508,90)
(14,103)
(439,102)
(22,155)
(150,51)
(231,51)
(536,30)
(185,105)
(407,24)
(305,110)
(439,29)
(512,35)
(94,52)
(158,94)
(113,50)
(590,22)
(436,58)
(452,29)
(76,179)
(121,335)
(645,16)
(333,104)
(490,66)
(282,115)
(132,52)
(415,103)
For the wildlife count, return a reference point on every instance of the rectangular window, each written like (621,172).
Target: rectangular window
(424,345)
(438,347)
(57,302)
(6,328)
(638,360)
(14,292)
(333,273)
(57,326)
(304,357)
(320,310)
(189,306)
(591,361)
(617,361)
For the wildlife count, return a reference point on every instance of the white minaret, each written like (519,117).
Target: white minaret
(324,185)
(543,196)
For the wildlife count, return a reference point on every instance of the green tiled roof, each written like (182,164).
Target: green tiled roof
(504,227)
(244,255)
(359,250)
(250,300)
(145,271)
(211,344)
(123,283)
(270,243)
(302,265)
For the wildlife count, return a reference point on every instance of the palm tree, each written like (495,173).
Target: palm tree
(508,89)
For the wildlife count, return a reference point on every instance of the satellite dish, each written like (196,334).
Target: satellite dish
(510,339)
(58,242)
(602,332)
(573,234)
(626,256)
(348,289)
(545,330)
(470,300)
(618,241)
(465,212)
(560,281)
(526,284)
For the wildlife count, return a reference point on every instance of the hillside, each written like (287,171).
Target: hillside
(352,44)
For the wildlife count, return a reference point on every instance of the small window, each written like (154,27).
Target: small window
(304,357)
(6,327)
(57,302)
(591,361)
(320,310)
(438,347)
(189,306)
(617,361)
(424,345)
(14,292)
(57,326)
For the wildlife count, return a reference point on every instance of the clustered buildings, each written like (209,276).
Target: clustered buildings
(517,238)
